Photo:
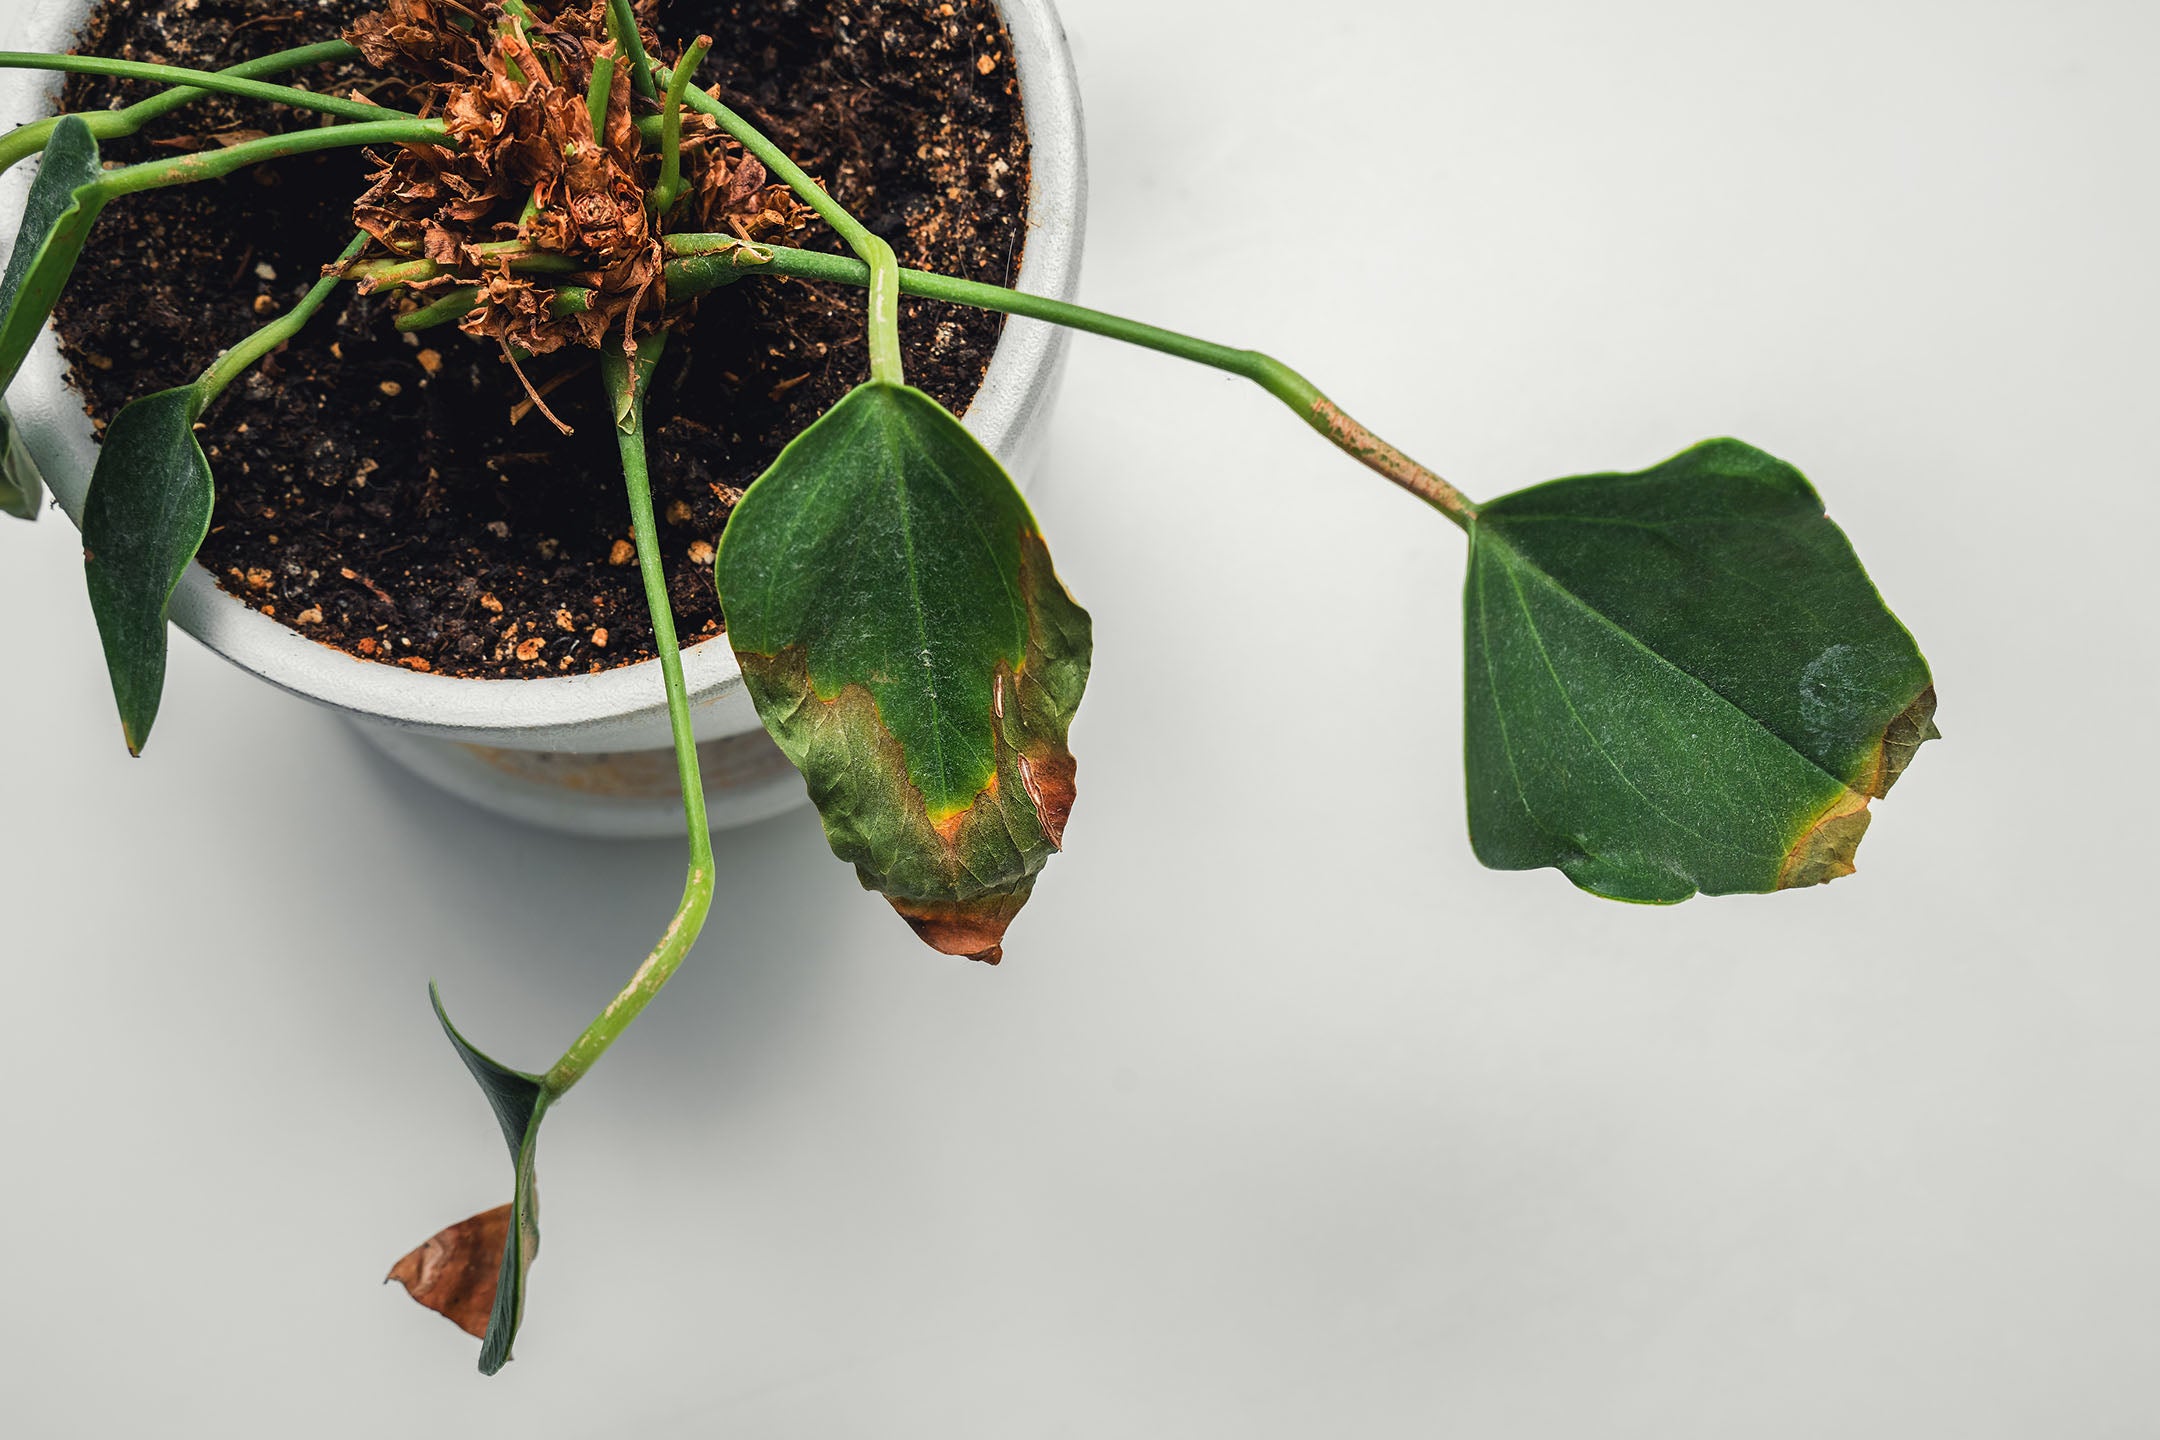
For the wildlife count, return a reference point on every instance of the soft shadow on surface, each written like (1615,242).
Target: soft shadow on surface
(540,929)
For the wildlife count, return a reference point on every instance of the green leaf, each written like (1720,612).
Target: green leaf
(145,517)
(22,487)
(519,1101)
(910,648)
(1680,680)
(64,203)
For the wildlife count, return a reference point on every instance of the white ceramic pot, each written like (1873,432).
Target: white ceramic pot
(581,753)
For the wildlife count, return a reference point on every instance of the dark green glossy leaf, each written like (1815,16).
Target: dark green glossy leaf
(22,487)
(1680,680)
(64,203)
(910,648)
(145,517)
(441,1274)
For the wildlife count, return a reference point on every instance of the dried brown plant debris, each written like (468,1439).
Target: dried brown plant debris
(528,177)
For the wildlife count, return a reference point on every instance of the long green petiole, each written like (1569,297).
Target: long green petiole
(882,265)
(27,140)
(224,82)
(627,382)
(703,261)
(669,190)
(212,164)
(235,362)
(91,196)
(622,26)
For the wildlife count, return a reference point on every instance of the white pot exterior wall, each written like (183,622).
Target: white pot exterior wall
(516,745)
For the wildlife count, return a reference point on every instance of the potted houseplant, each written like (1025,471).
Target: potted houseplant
(584,752)
(1647,709)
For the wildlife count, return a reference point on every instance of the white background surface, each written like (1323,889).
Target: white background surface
(1283,1119)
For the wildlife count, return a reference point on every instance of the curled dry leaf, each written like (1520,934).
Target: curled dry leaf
(415,34)
(456,1271)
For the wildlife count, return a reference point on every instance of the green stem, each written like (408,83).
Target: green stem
(597,96)
(388,275)
(235,362)
(28,140)
(522,256)
(224,82)
(456,304)
(877,256)
(884,268)
(669,190)
(707,260)
(211,164)
(627,382)
(622,25)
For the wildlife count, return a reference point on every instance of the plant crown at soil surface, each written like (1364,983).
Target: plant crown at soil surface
(546,168)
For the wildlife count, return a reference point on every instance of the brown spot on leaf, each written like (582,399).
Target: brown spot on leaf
(456,1271)
(1824,851)
(1049,776)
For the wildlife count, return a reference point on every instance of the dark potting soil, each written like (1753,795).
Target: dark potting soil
(372,492)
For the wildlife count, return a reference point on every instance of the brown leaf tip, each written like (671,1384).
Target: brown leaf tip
(1824,851)
(970,929)
(1902,739)
(456,1271)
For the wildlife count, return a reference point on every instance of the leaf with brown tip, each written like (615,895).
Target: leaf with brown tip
(1681,680)
(448,1273)
(909,646)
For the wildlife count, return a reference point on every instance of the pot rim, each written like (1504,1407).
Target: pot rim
(1018,384)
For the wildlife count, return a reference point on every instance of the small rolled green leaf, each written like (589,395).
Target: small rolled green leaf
(22,486)
(64,203)
(1680,680)
(449,1273)
(145,517)
(908,645)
